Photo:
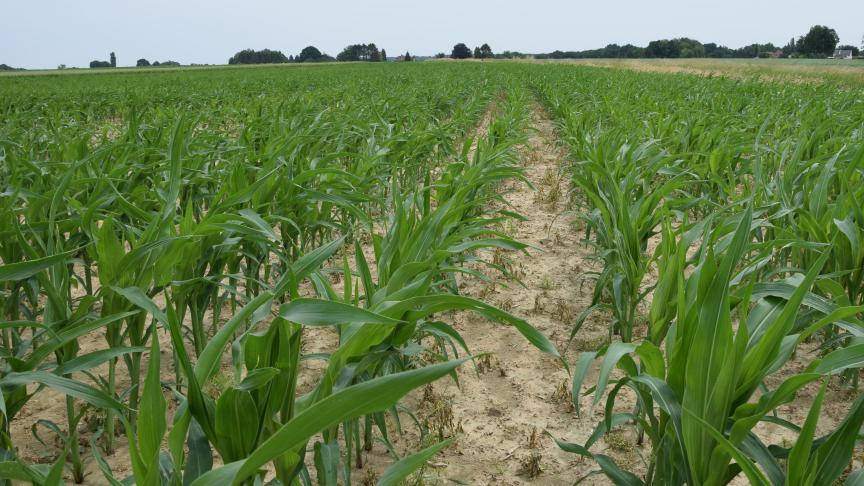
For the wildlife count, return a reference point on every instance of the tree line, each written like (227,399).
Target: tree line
(819,42)
(462,51)
(355,52)
(105,64)
(145,63)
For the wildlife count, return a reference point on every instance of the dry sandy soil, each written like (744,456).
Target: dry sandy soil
(504,407)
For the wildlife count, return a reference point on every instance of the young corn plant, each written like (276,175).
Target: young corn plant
(625,208)
(702,394)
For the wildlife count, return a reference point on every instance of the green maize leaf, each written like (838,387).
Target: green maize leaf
(754,475)
(19,472)
(354,401)
(94,359)
(151,418)
(617,475)
(756,450)
(834,316)
(327,463)
(100,461)
(315,312)
(237,424)
(840,359)
(423,306)
(257,378)
(833,455)
(63,385)
(70,334)
(23,270)
(856,478)
(613,355)
(395,474)
(200,458)
(582,366)
(55,474)
(799,467)
(668,402)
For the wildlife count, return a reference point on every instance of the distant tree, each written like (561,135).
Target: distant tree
(311,54)
(819,41)
(359,52)
(113,60)
(383,55)
(61,66)
(460,51)
(440,55)
(690,48)
(847,47)
(663,48)
(5,67)
(291,58)
(407,57)
(486,52)
(510,55)
(476,54)
(100,64)
(142,63)
(156,64)
(251,56)
(789,48)
(166,63)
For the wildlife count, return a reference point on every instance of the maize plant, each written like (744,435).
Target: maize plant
(698,395)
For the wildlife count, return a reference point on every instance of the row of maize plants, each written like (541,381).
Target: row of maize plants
(751,193)
(174,234)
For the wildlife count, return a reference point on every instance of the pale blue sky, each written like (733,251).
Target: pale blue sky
(45,33)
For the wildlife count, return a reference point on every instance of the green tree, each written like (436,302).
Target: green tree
(820,41)
(113,60)
(264,56)
(789,48)
(486,51)
(311,54)
(663,48)
(142,62)
(690,48)
(407,57)
(460,51)
(849,47)
(359,52)
(383,55)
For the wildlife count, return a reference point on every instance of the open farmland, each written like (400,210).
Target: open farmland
(480,272)
(844,73)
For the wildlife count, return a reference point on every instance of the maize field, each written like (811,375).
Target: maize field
(425,273)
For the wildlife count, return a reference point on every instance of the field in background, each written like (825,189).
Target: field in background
(277,271)
(849,72)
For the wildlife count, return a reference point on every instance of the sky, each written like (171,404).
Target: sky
(47,33)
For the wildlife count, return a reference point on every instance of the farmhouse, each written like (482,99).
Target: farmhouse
(842,54)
